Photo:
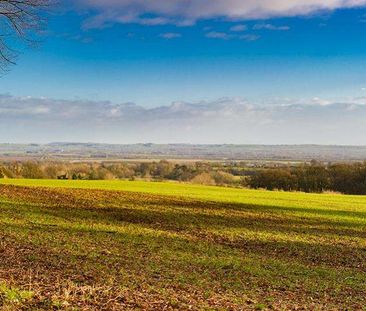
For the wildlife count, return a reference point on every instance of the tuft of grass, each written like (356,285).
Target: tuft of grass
(13,295)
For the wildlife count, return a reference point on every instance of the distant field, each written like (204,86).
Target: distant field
(107,152)
(118,245)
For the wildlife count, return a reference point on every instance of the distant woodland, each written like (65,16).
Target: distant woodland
(347,178)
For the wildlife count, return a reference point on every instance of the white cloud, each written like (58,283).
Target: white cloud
(186,12)
(227,120)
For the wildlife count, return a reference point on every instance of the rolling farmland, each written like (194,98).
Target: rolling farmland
(112,245)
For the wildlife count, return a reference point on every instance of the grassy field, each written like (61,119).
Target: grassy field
(97,245)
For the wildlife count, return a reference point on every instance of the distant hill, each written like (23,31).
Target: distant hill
(80,151)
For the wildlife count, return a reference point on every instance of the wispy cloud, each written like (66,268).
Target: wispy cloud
(231,36)
(170,35)
(105,20)
(78,38)
(187,12)
(227,120)
(249,37)
(239,28)
(219,35)
(270,27)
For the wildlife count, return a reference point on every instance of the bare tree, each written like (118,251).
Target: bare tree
(19,21)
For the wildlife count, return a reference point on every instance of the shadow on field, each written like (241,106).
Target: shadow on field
(150,244)
(99,257)
(94,198)
(206,229)
(268,231)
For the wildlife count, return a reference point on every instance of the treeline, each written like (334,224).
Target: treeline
(314,177)
(200,173)
(343,178)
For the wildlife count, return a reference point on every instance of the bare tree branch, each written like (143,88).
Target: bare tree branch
(19,21)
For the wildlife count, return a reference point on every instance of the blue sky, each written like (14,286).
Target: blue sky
(155,53)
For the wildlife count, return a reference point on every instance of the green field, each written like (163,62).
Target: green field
(118,245)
